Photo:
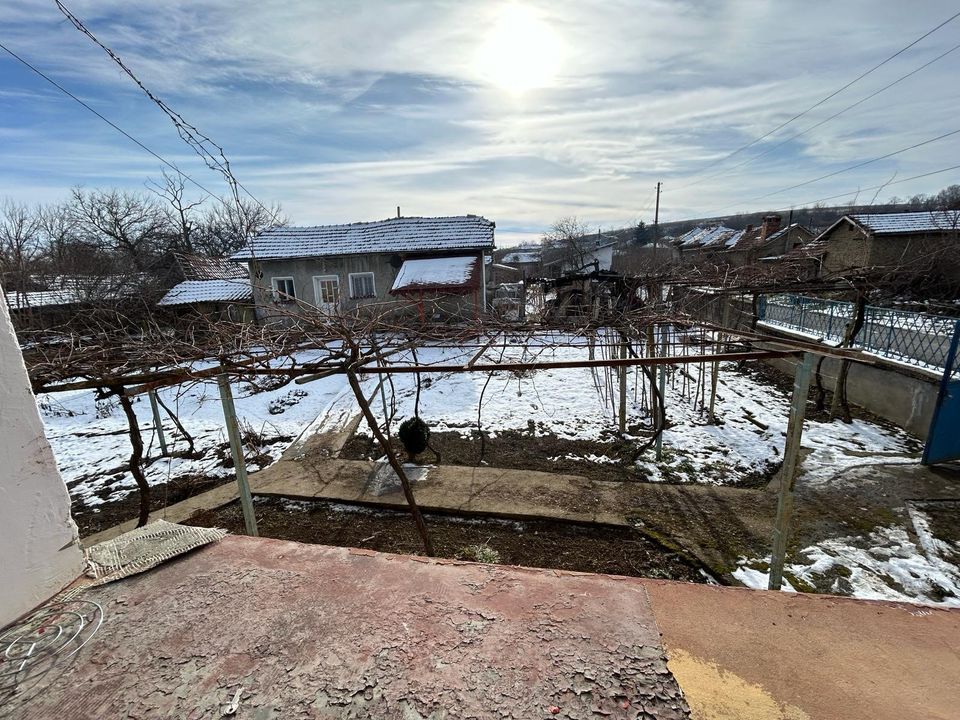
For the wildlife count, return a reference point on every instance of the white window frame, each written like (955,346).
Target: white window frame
(279,296)
(317,296)
(373,285)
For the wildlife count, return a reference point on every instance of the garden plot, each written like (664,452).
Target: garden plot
(91,443)
(567,417)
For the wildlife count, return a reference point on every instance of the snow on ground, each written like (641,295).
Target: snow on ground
(580,403)
(884,565)
(91,444)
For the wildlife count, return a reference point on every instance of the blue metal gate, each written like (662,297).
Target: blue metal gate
(943,440)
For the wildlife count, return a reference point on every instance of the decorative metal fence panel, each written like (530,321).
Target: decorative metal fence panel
(918,339)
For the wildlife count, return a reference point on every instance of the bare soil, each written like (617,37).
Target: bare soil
(541,543)
(91,520)
(542,452)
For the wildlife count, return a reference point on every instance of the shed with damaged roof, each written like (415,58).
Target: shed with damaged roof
(338,269)
(767,242)
(214,288)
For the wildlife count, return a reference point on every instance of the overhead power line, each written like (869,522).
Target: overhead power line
(105,119)
(825,120)
(867,189)
(832,95)
(847,169)
(211,153)
(862,164)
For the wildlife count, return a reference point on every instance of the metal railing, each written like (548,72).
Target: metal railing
(918,339)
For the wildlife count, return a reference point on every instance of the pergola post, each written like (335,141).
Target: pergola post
(157,424)
(624,350)
(663,391)
(788,473)
(236,450)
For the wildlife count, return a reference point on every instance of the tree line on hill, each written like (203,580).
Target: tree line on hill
(96,232)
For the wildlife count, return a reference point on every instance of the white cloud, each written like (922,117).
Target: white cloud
(342,110)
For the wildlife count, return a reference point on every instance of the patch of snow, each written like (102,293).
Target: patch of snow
(756,579)
(91,444)
(435,271)
(884,565)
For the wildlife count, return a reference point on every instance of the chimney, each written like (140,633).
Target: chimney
(398,211)
(771,223)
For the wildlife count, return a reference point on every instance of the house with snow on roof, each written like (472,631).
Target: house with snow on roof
(703,241)
(433,264)
(590,253)
(884,242)
(768,242)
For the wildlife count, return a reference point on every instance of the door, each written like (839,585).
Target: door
(943,440)
(326,289)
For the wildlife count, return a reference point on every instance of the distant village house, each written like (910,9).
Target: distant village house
(434,265)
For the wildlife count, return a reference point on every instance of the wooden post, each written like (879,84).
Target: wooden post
(663,390)
(156,422)
(715,370)
(788,473)
(236,450)
(623,384)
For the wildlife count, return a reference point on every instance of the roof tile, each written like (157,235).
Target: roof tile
(395,235)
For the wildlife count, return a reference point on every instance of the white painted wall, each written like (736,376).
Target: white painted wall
(39,549)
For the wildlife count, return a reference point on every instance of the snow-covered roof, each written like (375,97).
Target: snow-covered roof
(63,290)
(909,222)
(522,256)
(395,235)
(446,274)
(200,291)
(17,300)
(717,235)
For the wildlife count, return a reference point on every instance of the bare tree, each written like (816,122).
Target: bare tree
(131,225)
(228,226)
(180,211)
(20,244)
(565,242)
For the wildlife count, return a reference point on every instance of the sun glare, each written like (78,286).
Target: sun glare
(521,52)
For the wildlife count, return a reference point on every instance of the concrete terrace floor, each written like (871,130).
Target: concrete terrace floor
(318,632)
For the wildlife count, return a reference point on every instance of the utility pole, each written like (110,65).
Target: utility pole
(656,220)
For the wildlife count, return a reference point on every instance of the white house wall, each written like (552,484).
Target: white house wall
(39,550)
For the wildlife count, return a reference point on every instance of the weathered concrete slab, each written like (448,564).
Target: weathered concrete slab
(320,632)
(745,655)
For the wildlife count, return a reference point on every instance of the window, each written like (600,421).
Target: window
(283,290)
(326,290)
(361,286)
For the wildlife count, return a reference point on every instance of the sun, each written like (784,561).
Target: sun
(521,51)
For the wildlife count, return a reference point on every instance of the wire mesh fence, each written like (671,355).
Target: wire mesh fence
(918,339)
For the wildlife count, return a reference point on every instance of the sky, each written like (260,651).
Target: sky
(523,112)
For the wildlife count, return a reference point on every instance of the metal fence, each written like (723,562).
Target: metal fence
(918,339)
